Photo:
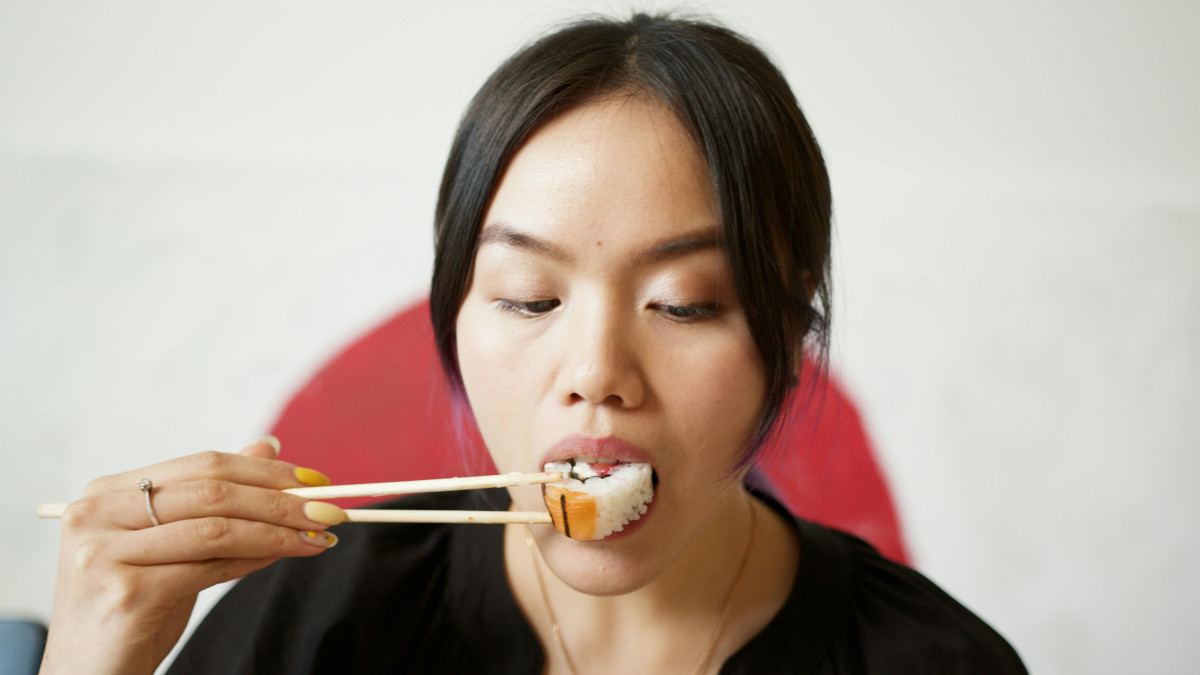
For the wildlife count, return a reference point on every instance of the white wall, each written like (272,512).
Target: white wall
(200,202)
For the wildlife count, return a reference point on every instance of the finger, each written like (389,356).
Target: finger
(212,539)
(197,576)
(247,470)
(200,499)
(267,447)
(187,579)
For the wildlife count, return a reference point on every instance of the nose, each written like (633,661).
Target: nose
(600,363)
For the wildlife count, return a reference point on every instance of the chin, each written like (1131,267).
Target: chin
(598,568)
(621,563)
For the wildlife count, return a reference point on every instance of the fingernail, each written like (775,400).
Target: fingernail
(311,477)
(271,441)
(325,514)
(322,539)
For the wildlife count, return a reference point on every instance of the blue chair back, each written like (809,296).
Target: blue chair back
(21,645)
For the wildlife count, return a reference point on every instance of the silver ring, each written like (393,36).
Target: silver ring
(146,487)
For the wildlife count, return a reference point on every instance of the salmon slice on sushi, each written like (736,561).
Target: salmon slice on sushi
(597,497)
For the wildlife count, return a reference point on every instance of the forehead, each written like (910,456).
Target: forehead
(621,171)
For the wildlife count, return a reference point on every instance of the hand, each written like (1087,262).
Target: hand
(125,588)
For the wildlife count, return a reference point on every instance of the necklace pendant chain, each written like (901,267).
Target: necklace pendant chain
(562,646)
(705,657)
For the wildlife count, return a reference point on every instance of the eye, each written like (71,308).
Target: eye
(687,314)
(530,308)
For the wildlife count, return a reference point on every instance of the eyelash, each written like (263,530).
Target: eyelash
(687,314)
(680,314)
(531,309)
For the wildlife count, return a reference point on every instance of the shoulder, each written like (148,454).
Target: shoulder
(893,618)
(850,610)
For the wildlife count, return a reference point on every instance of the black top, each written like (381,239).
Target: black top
(419,598)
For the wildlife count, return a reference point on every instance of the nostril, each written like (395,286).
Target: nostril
(577,397)
(599,377)
(610,399)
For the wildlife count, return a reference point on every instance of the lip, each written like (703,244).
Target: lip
(609,447)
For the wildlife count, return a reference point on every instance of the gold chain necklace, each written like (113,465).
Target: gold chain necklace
(712,642)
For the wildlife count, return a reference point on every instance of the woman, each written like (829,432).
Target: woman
(632,251)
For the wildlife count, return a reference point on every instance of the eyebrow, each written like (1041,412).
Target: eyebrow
(680,247)
(700,240)
(507,235)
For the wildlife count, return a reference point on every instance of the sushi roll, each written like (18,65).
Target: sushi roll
(596,498)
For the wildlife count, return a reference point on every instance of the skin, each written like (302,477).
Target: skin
(124,589)
(601,305)
(620,320)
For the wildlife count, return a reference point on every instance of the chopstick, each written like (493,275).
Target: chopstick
(406,487)
(423,516)
(411,487)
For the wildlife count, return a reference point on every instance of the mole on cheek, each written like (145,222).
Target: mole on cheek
(597,243)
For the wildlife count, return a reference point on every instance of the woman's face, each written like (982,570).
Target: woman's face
(601,320)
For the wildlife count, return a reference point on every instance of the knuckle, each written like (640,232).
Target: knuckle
(212,530)
(284,538)
(210,462)
(280,507)
(88,555)
(210,493)
(79,514)
(98,486)
(125,592)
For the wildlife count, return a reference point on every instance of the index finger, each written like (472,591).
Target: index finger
(245,469)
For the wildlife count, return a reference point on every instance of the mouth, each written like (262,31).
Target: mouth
(610,449)
(598,496)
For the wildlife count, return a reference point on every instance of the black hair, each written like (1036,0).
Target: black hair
(767,170)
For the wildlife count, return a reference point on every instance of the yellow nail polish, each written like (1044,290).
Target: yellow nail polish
(322,539)
(311,477)
(271,441)
(325,514)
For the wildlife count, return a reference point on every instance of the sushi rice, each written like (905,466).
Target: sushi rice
(597,498)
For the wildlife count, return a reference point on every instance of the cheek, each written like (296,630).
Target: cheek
(498,376)
(477,345)
(713,393)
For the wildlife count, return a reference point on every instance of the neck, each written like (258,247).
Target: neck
(671,617)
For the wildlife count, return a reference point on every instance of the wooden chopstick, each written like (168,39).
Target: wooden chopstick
(411,487)
(406,487)
(50,510)
(423,516)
